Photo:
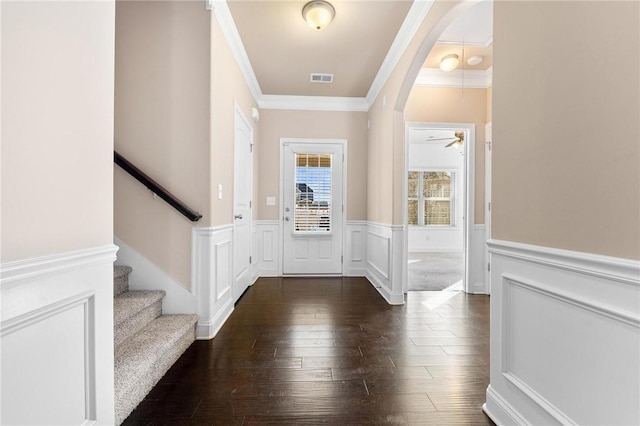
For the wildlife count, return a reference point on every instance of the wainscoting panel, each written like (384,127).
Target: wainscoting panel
(355,256)
(57,333)
(384,260)
(267,243)
(565,337)
(212,275)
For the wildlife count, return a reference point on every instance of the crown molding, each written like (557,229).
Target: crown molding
(418,11)
(230,31)
(313,103)
(487,43)
(472,79)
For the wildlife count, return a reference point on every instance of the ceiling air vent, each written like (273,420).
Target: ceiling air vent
(321,78)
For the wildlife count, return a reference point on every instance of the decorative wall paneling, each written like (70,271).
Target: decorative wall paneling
(57,333)
(565,337)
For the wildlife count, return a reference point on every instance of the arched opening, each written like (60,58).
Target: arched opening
(469,114)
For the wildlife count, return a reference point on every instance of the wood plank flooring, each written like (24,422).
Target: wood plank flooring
(332,351)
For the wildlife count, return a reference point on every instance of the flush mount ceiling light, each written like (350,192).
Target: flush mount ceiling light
(318,14)
(449,62)
(475,60)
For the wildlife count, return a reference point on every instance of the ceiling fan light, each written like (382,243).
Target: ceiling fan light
(449,62)
(318,14)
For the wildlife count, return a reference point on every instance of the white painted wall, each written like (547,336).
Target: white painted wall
(433,156)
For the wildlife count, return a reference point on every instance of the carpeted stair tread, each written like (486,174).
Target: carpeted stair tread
(144,358)
(121,279)
(133,310)
(129,303)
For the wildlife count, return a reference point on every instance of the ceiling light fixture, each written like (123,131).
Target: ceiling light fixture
(449,62)
(475,60)
(318,14)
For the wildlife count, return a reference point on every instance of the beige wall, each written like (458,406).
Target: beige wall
(162,126)
(228,88)
(57,127)
(489,104)
(276,124)
(386,136)
(452,105)
(566,151)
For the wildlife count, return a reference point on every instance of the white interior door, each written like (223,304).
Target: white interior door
(312,198)
(243,178)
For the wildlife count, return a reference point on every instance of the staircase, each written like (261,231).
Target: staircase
(147,343)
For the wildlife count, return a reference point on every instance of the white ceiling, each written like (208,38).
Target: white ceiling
(277,50)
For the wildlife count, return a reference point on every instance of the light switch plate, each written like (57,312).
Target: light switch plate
(271,201)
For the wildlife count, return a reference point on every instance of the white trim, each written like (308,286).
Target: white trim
(472,282)
(268,260)
(207,329)
(212,277)
(487,43)
(469,79)
(500,411)
(615,313)
(41,296)
(411,24)
(15,272)
(146,275)
(612,268)
(313,103)
(384,260)
(555,314)
(230,31)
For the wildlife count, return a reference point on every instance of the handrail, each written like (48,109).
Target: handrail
(156,188)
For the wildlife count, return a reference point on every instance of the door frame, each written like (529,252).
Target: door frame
(311,142)
(488,149)
(468,190)
(239,116)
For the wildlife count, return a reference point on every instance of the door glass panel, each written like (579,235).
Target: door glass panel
(313,193)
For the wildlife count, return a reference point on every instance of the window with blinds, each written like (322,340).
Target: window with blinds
(431,198)
(313,193)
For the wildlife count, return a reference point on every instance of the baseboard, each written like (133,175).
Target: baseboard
(148,276)
(392,299)
(207,329)
(500,411)
(57,311)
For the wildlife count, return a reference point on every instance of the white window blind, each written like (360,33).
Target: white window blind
(313,193)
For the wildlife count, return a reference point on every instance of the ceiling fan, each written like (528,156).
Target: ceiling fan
(455,141)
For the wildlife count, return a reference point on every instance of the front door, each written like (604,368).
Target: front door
(312,196)
(243,178)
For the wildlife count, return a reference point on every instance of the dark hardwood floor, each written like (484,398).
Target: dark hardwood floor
(332,351)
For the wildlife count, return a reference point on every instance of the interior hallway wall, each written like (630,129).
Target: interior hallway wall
(566,157)
(162,126)
(57,127)
(276,124)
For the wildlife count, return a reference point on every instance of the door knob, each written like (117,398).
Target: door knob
(286,218)
(238,216)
